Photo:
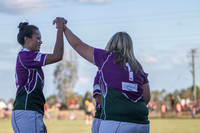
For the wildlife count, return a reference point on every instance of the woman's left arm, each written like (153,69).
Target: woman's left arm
(146,93)
(98,99)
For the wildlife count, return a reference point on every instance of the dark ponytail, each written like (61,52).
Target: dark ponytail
(25,30)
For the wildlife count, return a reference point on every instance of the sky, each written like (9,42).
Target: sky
(163,33)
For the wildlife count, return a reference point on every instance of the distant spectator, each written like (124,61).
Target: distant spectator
(2,104)
(182,103)
(154,106)
(172,100)
(77,105)
(47,113)
(10,105)
(187,103)
(178,99)
(2,108)
(163,109)
(194,111)
(89,110)
(8,109)
(178,109)
(71,104)
(57,109)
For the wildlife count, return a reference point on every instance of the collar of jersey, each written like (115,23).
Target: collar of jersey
(25,49)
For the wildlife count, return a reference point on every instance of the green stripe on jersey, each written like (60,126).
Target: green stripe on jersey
(34,101)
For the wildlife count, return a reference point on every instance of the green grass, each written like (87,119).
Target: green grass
(79,126)
(174,125)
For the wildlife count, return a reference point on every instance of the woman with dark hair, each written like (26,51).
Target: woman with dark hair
(124,85)
(28,111)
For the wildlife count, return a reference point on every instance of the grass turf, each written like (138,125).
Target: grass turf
(79,126)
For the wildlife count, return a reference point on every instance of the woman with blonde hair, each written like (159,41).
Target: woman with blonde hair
(124,85)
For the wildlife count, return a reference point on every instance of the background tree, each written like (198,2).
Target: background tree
(66,75)
(52,100)
(88,96)
(177,94)
(158,95)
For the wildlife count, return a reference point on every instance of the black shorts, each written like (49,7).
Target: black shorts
(88,113)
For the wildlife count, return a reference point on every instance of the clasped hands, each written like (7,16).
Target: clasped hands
(60,22)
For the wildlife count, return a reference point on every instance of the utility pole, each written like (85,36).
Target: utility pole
(193,73)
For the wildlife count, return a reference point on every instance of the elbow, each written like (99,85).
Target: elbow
(53,58)
(60,58)
(147,99)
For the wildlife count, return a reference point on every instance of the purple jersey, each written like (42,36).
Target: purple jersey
(30,81)
(97,91)
(28,67)
(112,75)
(96,86)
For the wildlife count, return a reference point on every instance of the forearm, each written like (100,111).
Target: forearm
(82,48)
(146,93)
(58,49)
(73,40)
(59,46)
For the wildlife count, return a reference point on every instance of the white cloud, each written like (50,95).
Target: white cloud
(149,59)
(176,61)
(94,1)
(14,7)
(84,80)
(188,60)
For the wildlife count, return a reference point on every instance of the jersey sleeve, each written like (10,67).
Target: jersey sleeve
(32,59)
(96,86)
(99,57)
(145,78)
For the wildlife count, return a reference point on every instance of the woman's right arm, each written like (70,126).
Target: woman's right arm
(59,46)
(146,93)
(80,47)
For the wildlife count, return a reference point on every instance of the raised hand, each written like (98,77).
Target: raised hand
(60,22)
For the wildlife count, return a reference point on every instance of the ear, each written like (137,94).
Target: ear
(26,39)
